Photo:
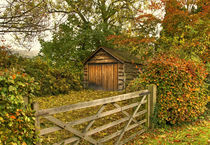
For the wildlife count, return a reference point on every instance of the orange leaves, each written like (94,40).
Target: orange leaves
(13,117)
(13,76)
(23,75)
(180,87)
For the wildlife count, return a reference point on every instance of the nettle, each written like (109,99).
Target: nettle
(16,119)
(181,88)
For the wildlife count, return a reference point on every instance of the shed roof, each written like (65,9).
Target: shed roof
(121,55)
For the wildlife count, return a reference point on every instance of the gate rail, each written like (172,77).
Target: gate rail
(148,97)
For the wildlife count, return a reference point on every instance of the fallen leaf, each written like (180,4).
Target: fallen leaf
(177,141)
(162,136)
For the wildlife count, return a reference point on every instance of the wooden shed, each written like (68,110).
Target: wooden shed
(110,69)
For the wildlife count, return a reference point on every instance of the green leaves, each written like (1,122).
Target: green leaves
(87,27)
(16,119)
(52,80)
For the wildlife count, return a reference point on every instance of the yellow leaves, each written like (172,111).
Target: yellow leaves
(180,99)
(188,95)
(1,119)
(162,136)
(24,143)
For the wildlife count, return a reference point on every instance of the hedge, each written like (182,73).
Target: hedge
(182,93)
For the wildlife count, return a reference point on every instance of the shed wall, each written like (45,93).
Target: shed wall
(106,71)
(102,72)
(131,72)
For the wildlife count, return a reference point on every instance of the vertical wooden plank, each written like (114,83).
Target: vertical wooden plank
(37,120)
(115,77)
(89,75)
(153,96)
(124,83)
(94,74)
(90,68)
(100,75)
(148,111)
(107,79)
(104,76)
(111,77)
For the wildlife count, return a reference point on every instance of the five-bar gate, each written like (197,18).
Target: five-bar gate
(136,113)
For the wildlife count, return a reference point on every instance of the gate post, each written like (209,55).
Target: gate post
(151,103)
(37,120)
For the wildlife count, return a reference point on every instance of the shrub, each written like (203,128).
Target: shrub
(181,88)
(52,81)
(16,119)
(7,59)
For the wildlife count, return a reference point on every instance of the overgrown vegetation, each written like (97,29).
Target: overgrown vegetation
(16,119)
(180,75)
(27,78)
(182,93)
(52,80)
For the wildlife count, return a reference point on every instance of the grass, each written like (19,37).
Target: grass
(196,133)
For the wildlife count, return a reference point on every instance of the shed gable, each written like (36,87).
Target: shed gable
(102,57)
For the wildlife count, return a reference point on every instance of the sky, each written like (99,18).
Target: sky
(9,39)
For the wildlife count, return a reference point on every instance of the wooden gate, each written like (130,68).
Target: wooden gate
(142,106)
(103,76)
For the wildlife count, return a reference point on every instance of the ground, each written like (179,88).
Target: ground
(194,133)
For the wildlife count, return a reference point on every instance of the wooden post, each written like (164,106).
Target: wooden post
(148,105)
(37,119)
(151,102)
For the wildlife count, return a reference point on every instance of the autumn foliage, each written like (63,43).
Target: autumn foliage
(16,119)
(181,88)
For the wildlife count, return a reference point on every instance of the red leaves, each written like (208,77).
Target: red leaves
(177,141)
(13,117)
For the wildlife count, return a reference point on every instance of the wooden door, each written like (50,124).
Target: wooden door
(103,76)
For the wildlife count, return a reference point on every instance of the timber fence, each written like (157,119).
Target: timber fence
(136,115)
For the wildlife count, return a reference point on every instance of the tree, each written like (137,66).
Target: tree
(24,20)
(88,24)
(28,16)
(143,32)
(185,31)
